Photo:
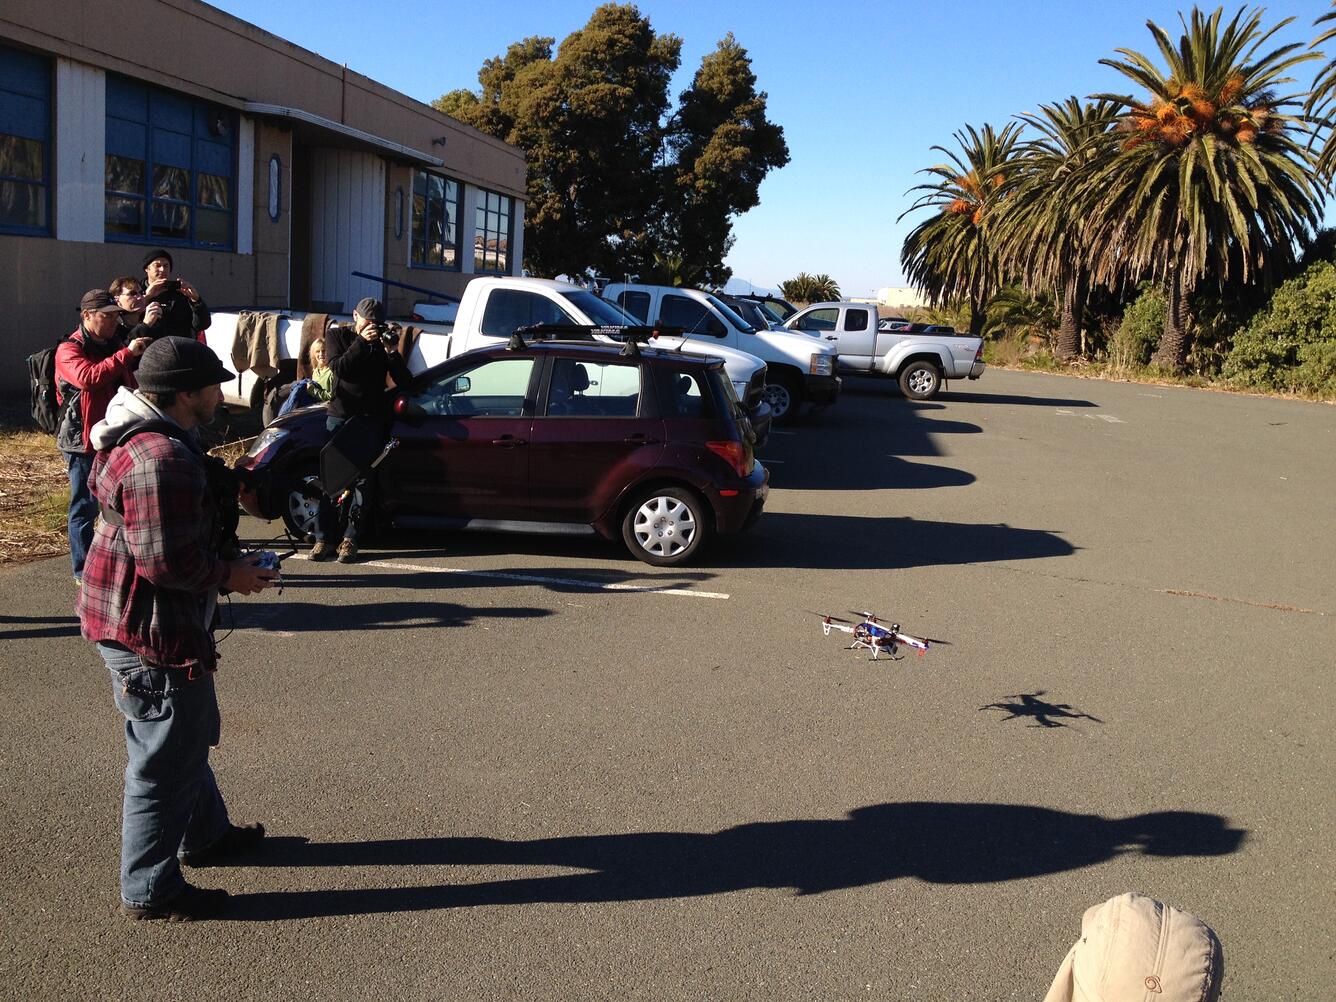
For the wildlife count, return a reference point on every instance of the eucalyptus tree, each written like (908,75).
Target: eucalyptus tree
(949,255)
(1210,182)
(1321,103)
(1042,236)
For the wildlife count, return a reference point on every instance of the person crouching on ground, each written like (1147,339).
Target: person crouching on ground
(91,364)
(361,358)
(164,546)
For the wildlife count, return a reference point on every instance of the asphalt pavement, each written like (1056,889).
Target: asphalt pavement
(500,767)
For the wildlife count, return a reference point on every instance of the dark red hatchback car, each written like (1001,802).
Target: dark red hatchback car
(551,437)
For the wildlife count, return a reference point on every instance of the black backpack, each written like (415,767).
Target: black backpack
(42,387)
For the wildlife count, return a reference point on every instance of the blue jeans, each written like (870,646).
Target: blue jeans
(172,802)
(83,508)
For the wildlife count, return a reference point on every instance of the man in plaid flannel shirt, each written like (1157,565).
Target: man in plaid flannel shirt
(148,600)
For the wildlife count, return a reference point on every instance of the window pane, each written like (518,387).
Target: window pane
(213,227)
(125,215)
(24,158)
(124,174)
(507,310)
(214,191)
(22,204)
(171,182)
(170,221)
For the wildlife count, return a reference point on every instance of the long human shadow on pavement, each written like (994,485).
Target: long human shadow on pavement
(942,843)
(850,542)
(38,627)
(320,617)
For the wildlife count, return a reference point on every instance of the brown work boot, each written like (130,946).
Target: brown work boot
(190,905)
(322,550)
(347,551)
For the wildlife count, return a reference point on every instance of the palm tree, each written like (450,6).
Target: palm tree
(804,288)
(1322,101)
(1041,234)
(949,255)
(1207,178)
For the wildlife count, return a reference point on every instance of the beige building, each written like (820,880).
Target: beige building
(276,178)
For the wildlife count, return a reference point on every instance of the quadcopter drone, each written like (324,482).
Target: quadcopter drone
(870,635)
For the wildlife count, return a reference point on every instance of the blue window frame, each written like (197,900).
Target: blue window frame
(25,142)
(435,222)
(491,236)
(171,168)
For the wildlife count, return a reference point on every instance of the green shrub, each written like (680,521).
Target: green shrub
(1133,342)
(1290,345)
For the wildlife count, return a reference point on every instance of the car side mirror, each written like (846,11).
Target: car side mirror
(409,411)
(462,384)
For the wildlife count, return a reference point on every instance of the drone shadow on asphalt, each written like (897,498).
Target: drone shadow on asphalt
(940,843)
(1044,713)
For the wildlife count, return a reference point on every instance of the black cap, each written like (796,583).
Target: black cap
(370,309)
(179,363)
(153,255)
(98,301)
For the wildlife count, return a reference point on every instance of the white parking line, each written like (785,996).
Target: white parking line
(538,579)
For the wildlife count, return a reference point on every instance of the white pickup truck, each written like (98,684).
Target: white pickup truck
(921,362)
(798,370)
(489,312)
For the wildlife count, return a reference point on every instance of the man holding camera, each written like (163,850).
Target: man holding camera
(183,311)
(164,546)
(364,360)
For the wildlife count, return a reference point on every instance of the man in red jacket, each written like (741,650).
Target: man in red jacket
(91,365)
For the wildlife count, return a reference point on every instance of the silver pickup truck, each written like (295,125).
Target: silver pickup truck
(920,362)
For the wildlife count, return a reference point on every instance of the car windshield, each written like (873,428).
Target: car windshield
(600,312)
(773,312)
(727,312)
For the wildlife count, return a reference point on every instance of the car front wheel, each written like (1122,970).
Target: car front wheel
(920,380)
(664,526)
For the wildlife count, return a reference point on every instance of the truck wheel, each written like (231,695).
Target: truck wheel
(664,526)
(784,398)
(920,380)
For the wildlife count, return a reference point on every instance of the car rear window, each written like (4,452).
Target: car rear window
(593,389)
(683,394)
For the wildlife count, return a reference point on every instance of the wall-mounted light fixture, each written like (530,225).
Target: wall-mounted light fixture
(439,140)
(275,182)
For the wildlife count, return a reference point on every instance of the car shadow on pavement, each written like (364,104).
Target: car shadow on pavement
(556,579)
(832,471)
(941,843)
(38,627)
(852,542)
(870,387)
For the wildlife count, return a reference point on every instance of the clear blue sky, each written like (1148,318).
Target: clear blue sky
(863,90)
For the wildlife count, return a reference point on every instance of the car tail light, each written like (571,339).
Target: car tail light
(736,454)
(978,355)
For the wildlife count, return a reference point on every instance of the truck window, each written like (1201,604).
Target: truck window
(691,316)
(636,304)
(819,320)
(509,309)
(855,320)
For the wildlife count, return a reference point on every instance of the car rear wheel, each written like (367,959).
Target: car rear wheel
(301,504)
(784,398)
(664,526)
(920,380)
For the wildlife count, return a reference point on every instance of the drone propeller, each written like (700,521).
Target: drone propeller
(938,643)
(865,615)
(833,619)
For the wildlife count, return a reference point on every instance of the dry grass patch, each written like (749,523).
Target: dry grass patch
(34,497)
